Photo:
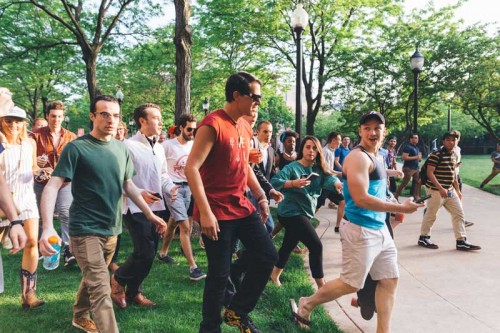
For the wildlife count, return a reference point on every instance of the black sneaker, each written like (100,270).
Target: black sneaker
(196,274)
(425,241)
(69,258)
(243,322)
(166,259)
(463,245)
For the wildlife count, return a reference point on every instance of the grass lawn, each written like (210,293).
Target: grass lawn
(474,169)
(179,299)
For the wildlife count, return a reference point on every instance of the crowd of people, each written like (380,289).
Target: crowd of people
(218,174)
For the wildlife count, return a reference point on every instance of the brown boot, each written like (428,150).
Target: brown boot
(28,290)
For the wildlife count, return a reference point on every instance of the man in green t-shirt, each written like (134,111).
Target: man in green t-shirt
(100,169)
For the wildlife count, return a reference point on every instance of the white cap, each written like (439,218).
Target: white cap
(15,112)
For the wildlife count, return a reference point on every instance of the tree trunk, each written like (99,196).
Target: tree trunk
(183,41)
(90,60)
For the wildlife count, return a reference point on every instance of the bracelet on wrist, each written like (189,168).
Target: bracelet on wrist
(16,222)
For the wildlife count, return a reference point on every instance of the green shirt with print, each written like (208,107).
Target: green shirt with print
(97,170)
(301,201)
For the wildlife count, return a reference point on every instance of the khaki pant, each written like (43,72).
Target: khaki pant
(453,205)
(93,254)
(414,176)
(494,172)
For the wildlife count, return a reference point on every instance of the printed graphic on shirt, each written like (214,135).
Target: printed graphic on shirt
(180,166)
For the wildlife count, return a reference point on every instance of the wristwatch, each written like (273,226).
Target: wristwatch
(15,222)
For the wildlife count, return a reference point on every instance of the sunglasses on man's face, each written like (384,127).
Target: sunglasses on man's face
(255,97)
(190,129)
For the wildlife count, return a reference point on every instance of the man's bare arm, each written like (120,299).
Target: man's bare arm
(357,167)
(203,143)
(47,204)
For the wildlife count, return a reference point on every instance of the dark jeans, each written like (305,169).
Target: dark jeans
(261,255)
(299,228)
(138,264)
(117,249)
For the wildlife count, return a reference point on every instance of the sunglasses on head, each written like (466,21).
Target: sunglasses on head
(255,97)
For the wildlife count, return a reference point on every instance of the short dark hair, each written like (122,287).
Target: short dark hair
(54,105)
(184,119)
(263,122)
(331,136)
(412,135)
(239,82)
(457,133)
(140,112)
(286,134)
(393,137)
(106,98)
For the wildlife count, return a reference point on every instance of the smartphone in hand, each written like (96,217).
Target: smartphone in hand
(312,176)
(158,195)
(422,199)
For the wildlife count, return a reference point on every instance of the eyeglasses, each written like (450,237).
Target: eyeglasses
(255,97)
(190,129)
(107,115)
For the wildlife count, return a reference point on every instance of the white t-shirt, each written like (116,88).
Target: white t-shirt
(177,155)
(458,151)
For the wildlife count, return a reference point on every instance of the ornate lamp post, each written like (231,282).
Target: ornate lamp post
(119,96)
(206,105)
(299,21)
(416,64)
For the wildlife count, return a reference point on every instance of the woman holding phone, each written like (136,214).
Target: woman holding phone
(301,189)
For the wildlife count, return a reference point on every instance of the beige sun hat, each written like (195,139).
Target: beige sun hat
(15,112)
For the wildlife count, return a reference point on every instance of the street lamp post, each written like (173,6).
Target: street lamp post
(66,121)
(299,21)
(119,96)
(416,64)
(449,117)
(206,105)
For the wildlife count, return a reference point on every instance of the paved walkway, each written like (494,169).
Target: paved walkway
(442,290)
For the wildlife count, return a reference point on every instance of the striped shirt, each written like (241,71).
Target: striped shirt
(445,163)
(45,144)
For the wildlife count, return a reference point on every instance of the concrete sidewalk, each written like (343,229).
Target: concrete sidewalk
(441,290)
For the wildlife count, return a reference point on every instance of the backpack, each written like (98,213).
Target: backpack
(423,169)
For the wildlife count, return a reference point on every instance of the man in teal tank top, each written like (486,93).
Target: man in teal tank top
(367,246)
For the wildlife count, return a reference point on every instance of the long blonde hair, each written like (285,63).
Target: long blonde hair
(23,135)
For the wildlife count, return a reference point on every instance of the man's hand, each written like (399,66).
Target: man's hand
(264,210)
(42,160)
(255,156)
(395,173)
(443,193)
(209,226)
(409,206)
(44,246)
(18,238)
(159,223)
(173,192)
(339,186)
(276,195)
(149,197)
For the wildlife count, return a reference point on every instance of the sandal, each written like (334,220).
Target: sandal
(301,321)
